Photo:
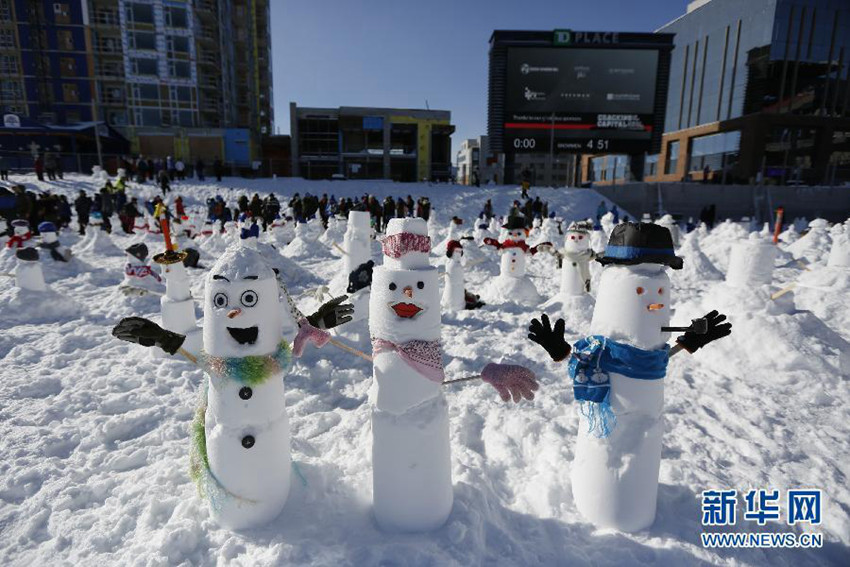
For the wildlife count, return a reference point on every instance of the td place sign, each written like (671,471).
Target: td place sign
(570,37)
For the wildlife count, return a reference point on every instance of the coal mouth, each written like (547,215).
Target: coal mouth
(244,336)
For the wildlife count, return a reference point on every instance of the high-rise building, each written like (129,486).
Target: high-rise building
(44,61)
(758,93)
(188,78)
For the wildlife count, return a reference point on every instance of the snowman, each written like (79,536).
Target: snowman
(139,275)
(21,235)
(50,242)
(454,233)
(455,297)
(482,229)
(670,224)
(549,231)
(241,438)
(411,457)
(4,229)
(575,265)
(618,376)
(839,254)
(513,283)
(28,273)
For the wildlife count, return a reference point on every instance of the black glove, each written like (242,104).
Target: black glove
(716,330)
(147,333)
(332,314)
(551,339)
(361,277)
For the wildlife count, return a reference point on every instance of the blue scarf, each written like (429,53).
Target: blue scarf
(254,231)
(591,361)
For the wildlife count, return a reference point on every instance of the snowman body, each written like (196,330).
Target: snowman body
(615,478)
(178,307)
(246,433)
(50,242)
(411,455)
(140,274)
(751,262)
(513,283)
(29,275)
(454,296)
(575,267)
(839,254)
(356,242)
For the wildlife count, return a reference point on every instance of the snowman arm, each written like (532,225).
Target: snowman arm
(675,349)
(493,243)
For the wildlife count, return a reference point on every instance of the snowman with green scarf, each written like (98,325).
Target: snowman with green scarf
(618,376)
(240,457)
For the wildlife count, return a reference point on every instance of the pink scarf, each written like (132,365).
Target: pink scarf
(425,357)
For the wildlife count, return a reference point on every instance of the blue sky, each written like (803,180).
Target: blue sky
(401,53)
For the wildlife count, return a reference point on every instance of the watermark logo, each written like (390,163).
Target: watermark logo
(720,508)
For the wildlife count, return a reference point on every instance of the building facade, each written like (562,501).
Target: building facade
(188,78)
(758,93)
(476,163)
(371,143)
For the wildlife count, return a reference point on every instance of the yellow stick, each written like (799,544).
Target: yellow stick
(347,348)
(191,357)
(338,247)
(776,295)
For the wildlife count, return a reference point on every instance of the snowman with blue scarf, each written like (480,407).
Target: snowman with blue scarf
(618,376)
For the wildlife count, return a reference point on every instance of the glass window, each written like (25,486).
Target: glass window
(179,69)
(7,38)
(672,162)
(176,17)
(144,66)
(143,40)
(140,13)
(151,117)
(178,44)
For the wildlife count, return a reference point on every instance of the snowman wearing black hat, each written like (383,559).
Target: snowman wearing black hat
(618,376)
(513,284)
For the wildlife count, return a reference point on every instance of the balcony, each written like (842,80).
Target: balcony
(106,18)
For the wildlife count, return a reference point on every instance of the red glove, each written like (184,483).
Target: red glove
(492,242)
(511,380)
(308,333)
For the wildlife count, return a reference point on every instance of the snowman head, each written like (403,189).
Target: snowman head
(405,297)
(242,307)
(48,232)
(20,227)
(632,304)
(576,240)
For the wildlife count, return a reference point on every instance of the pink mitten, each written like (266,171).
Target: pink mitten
(511,380)
(308,333)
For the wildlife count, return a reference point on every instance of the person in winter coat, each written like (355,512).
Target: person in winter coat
(50,166)
(128,215)
(218,169)
(178,206)
(64,211)
(255,207)
(39,168)
(107,207)
(4,169)
(82,204)
(164,182)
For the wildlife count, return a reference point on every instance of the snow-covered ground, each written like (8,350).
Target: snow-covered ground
(94,432)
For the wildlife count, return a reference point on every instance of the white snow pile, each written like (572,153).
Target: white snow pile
(95,433)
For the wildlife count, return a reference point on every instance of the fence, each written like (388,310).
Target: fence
(685,200)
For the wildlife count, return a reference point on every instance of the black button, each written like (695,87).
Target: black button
(574,263)
(248,441)
(246,393)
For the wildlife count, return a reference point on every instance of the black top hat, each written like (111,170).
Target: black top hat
(514,223)
(138,250)
(640,243)
(27,254)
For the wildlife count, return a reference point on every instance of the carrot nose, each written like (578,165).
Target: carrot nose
(234,313)
(655,306)
(408,291)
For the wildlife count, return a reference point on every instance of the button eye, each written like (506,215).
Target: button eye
(249,298)
(220,300)
(660,291)
(393,286)
(580,237)
(640,290)
(420,285)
